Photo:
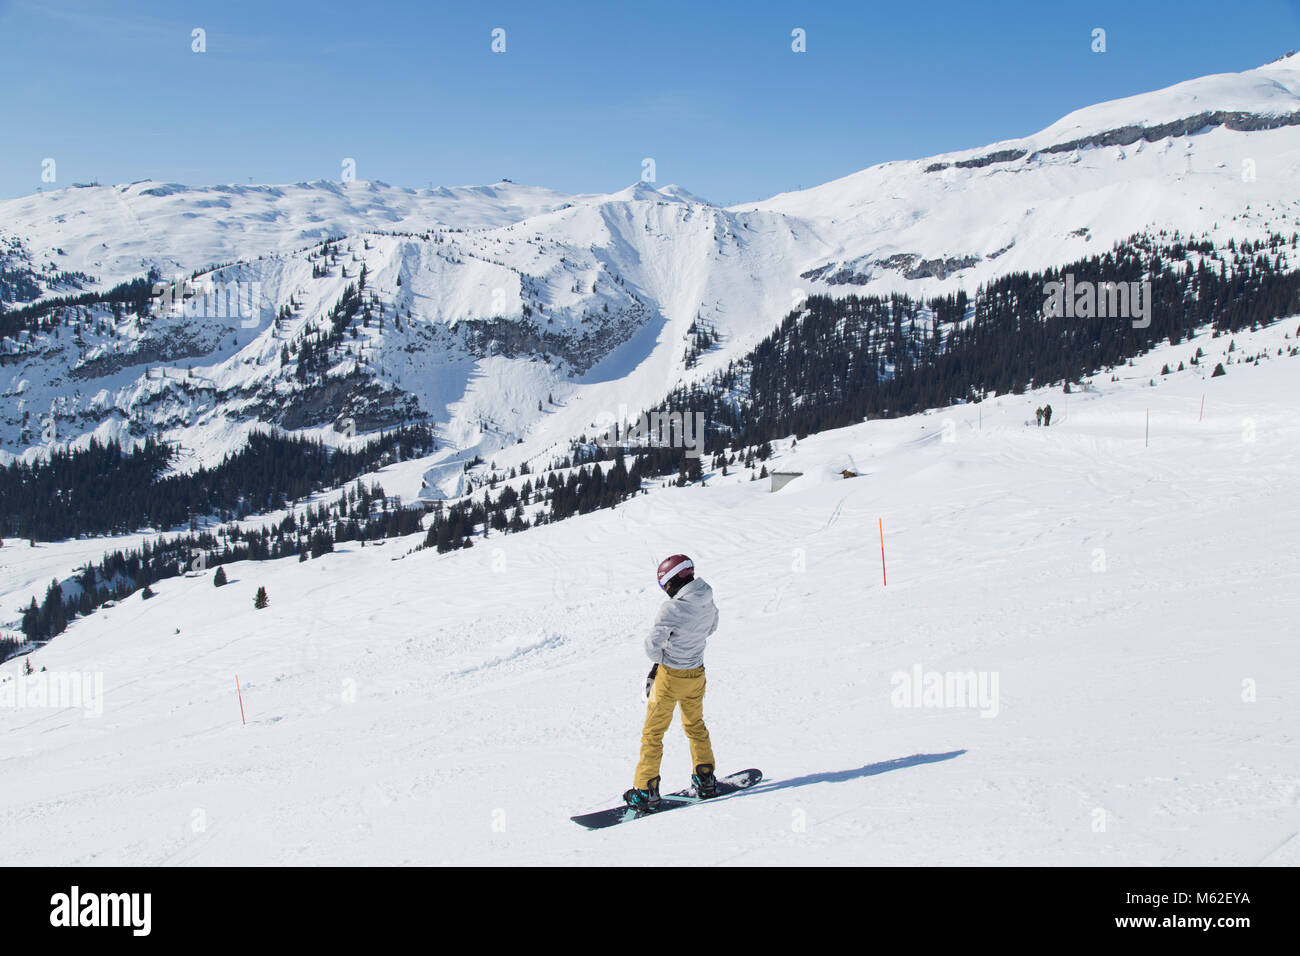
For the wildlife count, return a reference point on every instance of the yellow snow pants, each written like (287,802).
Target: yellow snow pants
(673,686)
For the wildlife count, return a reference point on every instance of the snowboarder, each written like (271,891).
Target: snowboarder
(676,645)
(1047,415)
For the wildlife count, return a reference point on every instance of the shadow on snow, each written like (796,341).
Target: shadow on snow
(870,770)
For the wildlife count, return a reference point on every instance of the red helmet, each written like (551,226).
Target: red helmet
(678,568)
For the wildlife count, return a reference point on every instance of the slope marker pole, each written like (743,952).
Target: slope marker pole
(240,693)
(1148,439)
(1202,415)
(883,580)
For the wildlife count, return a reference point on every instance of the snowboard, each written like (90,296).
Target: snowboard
(668,801)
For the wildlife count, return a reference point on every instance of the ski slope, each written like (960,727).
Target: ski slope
(415,708)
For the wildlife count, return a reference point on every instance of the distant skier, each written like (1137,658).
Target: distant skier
(1038,413)
(1047,415)
(676,645)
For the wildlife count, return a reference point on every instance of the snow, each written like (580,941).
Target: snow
(113,231)
(1048,208)
(1269,90)
(678,258)
(1134,604)
(458,708)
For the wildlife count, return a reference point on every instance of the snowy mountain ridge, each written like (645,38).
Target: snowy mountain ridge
(516,317)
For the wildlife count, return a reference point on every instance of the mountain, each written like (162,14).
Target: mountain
(516,318)
(117,232)
(1084,653)
(1216,156)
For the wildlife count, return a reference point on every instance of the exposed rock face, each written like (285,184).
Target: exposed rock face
(368,404)
(1127,135)
(155,349)
(511,338)
(910,264)
(978,162)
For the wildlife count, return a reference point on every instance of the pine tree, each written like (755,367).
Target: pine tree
(32,621)
(219,578)
(260,600)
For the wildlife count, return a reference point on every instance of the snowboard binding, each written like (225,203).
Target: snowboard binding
(705,783)
(644,801)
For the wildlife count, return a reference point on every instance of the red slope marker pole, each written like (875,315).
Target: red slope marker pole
(241,700)
(883,580)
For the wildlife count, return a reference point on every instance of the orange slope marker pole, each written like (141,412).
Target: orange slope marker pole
(241,701)
(883,581)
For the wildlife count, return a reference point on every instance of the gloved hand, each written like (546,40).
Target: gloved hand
(650,680)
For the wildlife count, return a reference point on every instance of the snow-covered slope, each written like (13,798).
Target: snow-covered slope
(118,232)
(589,305)
(512,295)
(1134,605)
(1218,155)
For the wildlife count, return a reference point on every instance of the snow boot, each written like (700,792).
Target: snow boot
(644,800)
(706,785)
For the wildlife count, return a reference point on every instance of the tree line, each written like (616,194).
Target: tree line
(105,489)
(837,361)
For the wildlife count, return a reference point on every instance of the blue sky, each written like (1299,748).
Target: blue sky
(583,92)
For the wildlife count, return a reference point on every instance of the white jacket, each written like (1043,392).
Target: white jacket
(682,627)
